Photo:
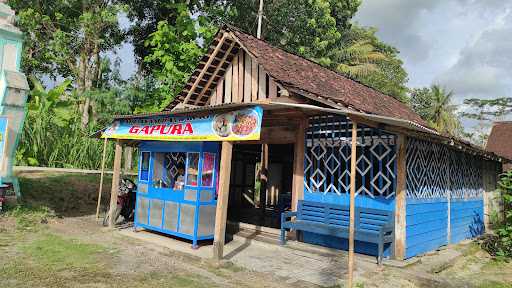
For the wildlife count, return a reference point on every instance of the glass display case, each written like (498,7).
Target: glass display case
(177,188)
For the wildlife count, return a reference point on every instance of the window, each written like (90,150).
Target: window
(192,169)
(208,168)
(144,167)
(169,170)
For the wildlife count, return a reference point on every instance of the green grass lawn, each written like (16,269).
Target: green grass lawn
(34,256)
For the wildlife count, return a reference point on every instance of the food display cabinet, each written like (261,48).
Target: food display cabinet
(177,188)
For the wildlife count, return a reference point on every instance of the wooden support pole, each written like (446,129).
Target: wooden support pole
(353,171)
(222,201)
(263,178)
(128,158)
(298,164)
(100,190)
(400,201)
(115,183)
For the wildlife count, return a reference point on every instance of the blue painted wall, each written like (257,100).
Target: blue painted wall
(467,219)
(426,225)
(344,199)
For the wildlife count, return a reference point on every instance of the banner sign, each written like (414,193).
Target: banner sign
(236,125)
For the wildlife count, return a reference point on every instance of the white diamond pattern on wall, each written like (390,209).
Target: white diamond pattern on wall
(436,171)
(328,155)
(173,160)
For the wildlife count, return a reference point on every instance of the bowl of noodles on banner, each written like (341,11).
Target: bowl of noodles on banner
(244,123)
(222,124)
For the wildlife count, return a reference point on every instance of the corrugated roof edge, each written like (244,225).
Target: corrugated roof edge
(407,124)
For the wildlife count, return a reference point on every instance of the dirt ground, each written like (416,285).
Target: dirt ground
(53,240)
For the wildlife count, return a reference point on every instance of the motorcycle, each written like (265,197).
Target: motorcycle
(125,202)
(3,197)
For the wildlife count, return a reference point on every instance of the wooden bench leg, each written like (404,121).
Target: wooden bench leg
(381,252)
(283,236)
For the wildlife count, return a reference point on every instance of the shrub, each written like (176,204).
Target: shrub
(500,245)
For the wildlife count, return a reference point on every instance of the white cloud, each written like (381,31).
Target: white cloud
(464,45)
(483,67)
(399,23)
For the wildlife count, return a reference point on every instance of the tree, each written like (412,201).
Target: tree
(488,109)
(146,16)
(173,52)
(387,74)
(421,102)
(321,31)
(435,106)
(485,111)
(52,136)
(67,38)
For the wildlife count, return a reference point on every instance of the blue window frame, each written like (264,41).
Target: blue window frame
(144,166)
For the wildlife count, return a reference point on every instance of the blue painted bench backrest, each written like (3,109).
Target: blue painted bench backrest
(339,215)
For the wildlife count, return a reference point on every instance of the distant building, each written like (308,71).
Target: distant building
(500,141)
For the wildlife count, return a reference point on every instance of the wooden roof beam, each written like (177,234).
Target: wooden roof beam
(210,60)
(228,52)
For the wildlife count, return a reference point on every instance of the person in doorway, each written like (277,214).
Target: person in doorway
(179,179)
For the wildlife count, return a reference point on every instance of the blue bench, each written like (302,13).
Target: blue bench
(371,225)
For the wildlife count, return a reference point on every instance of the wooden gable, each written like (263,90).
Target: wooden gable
(228,74)
(244,81)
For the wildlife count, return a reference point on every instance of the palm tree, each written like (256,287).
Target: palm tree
(443,112)
(358,58)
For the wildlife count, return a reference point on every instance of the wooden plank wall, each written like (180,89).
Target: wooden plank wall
(245,81)
(426,221)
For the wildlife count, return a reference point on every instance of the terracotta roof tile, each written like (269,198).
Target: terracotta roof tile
(500,139)
(297,72)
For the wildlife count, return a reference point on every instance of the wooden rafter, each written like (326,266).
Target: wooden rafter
(210,60)
(228,52)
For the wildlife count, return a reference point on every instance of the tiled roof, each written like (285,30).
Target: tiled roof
(293,71)
(500,139)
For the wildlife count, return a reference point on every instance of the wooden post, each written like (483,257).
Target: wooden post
(222,200)
(400,208)
(115,183)
(128,158)
(263,178)
(298,164)
(353,171)
(100,190)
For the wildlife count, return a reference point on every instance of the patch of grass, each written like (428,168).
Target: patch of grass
(470,249)
(28,218)
(53,261)
(57,253)
(49,260)
(495,264)
(493,284)
(228,265)
(164,280)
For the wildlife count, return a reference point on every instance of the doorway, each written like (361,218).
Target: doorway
(249,201)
